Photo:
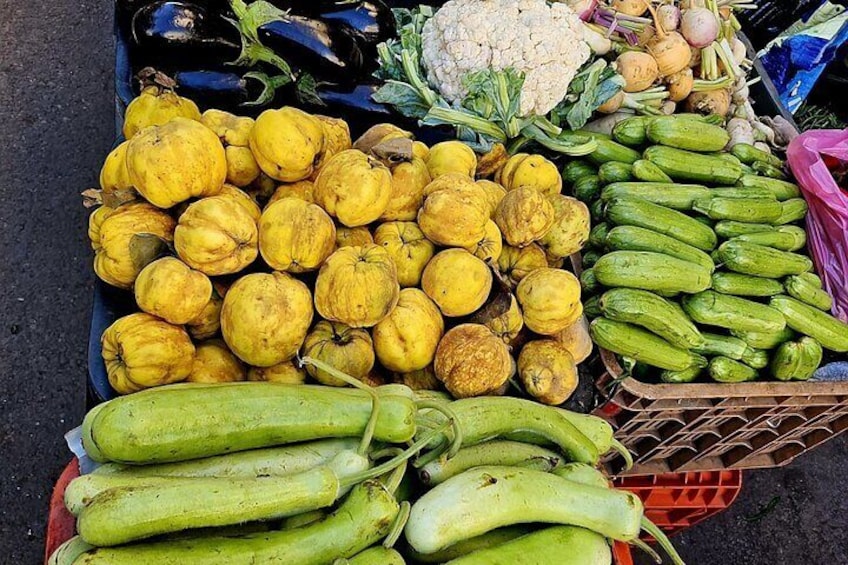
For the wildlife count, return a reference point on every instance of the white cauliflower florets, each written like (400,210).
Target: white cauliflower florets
(544,41)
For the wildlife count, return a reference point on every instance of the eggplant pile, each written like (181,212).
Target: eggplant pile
(247,56)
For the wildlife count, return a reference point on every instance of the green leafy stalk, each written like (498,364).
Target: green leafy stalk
(439,115)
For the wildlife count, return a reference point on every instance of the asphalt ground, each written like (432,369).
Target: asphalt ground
(56,126)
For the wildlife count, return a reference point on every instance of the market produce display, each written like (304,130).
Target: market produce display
(702,279)
(454,280)
(265,472)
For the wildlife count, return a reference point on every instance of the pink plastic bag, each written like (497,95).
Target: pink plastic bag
(827,220)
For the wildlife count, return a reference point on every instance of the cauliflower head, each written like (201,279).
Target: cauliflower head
(544,41)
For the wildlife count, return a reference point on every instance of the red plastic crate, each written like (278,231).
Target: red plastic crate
(677,501)
(60,522)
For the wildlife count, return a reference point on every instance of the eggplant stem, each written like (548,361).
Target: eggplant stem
(655,532)
(398,525)
(620,448)
(647,549)
(368,434)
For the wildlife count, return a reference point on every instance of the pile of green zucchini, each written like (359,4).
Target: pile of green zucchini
(269,473)
(695,264)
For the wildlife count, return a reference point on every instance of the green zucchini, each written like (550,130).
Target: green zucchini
(644,214)
(729,229)
(793,210)
(797,360)
(642,345)
(806,291)
(592,307)
(741,192)
(633,238)
(363,518)
(377,555)
(631,131)
(216,419)
(591,257)
(514,495)
(686,165)
(681,377)
(124,514)
(577,169)
(556,545)
(765,340)
(745,285)
(609,150)
(495,452)
(768,170)
(650,271)
(724,345)
(648,172)
(686,134)
(587,188)
(646,309)
(598,235)
(589,281)
(598,210)
(811,278)
(613,171)
(494,538)
(777,240)
(749,154)
(677,196)
(726,370)
(761,261)
(781,189)
(757,210)
(731,312)
(810,321)
(755,358)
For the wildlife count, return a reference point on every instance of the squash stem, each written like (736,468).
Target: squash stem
(368,435)
(619,448)
(456,443)
(398,525)
(394,480)
(653,530)
(647,549)
(392,464)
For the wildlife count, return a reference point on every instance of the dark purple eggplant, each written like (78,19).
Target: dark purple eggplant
(370,21)
(228,90)
(314,46)
(357,98)
(180,33)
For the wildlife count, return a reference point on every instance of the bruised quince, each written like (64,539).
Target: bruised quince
(244,199)
(451,157)
(128,238)
(353,237)
(354,188)
(490,247)
(532,171)
(457,281)
(550,300)
(409,178)
(287,143)
(408,247)
(171,290)
(570,229)
(524,216)
(287,372)
(156,106)
(407,338)
(141,351)
(454,213)
(217,236)
(265,318)
(215,363)
(301,189)
(472,361)
(171,163)
(547,371)
(357,286)
(515,263)
(346,349)
(296,236)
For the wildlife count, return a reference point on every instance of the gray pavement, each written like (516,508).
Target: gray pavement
(56,125)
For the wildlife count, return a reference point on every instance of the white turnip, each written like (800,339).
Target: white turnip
(598,42)
(629,7)
(699,26)
(613,104)
(669,16)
